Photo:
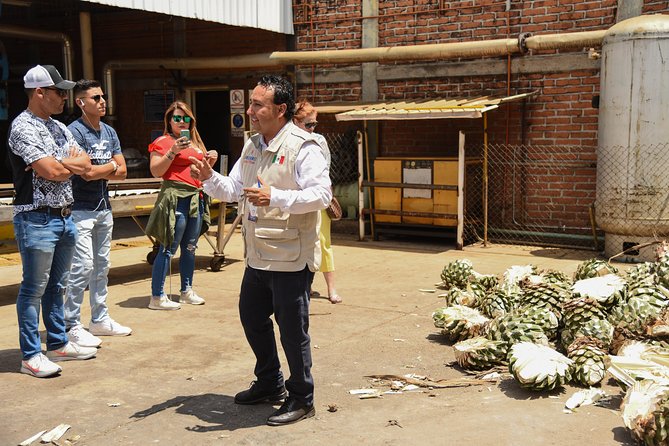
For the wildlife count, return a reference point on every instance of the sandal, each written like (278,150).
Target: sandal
(335,299)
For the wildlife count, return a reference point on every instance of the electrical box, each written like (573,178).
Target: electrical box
(428,171)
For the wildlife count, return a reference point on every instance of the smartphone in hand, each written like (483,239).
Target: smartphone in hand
(185,134)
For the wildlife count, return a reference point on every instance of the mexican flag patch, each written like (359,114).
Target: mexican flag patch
(278,159)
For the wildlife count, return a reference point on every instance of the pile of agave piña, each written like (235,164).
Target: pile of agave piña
(551,330)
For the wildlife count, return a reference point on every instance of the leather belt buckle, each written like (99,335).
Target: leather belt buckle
(65,211)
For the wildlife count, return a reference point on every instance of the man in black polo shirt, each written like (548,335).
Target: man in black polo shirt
(44,155)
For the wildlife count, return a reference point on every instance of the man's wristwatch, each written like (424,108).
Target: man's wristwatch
(115,165)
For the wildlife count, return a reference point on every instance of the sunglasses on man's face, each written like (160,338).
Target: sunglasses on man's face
(311,125)
(61,93)
(97,97)
(177,118)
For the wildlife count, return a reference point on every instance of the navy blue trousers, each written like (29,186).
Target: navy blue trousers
(286,295)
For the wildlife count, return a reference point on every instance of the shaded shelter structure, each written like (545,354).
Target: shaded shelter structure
(416,193)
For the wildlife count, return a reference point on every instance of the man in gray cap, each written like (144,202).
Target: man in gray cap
(44,155)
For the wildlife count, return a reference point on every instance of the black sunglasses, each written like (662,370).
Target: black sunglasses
(97,97)
(177,118)
(311,125)
(61,93)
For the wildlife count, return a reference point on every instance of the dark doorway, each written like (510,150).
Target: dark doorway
(212,111)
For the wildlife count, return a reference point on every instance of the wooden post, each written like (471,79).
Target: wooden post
(361,190)
(485,179)
(459,243)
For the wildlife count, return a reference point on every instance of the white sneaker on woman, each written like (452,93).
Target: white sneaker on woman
(189,297)
(163,303)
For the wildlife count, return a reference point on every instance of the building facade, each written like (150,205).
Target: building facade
(203,62)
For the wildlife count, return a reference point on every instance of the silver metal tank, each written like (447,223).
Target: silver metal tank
(632,204)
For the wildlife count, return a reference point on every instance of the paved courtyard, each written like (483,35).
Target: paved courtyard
(172,382)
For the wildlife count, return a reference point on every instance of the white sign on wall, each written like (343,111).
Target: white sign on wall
(236,99)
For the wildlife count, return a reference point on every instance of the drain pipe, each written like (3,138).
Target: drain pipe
(577,40)
(86,44)
(496,47)
(442,51)
(33,34)
(193,63)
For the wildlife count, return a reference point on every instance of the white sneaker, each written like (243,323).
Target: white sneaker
(163,303)
(39,366)
(80,336)
(108,327)
(71,351)
(189,297)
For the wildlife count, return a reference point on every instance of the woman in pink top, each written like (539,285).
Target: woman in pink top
(182,209)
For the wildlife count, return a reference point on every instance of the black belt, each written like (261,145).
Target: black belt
(65,211)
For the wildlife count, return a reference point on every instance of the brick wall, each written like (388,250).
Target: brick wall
(327,24)
(655,6)
(326,93)
(559,115)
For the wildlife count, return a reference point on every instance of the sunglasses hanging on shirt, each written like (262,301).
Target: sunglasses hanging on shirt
(177,118)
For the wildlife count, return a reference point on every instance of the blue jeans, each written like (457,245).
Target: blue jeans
(90,265)
(186,233)
(46,244)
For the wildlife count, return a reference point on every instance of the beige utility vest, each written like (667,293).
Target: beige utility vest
(275,240)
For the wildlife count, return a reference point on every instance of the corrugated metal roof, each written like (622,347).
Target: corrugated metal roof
(425,109)
(272,15)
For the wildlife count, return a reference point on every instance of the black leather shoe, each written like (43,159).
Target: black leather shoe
(257,395)
(291,411)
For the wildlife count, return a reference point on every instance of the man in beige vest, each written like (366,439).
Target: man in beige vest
(281,182)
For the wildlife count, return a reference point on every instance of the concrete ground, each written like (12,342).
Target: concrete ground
(172,382)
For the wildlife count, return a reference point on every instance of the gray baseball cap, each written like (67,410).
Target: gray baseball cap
(46,76)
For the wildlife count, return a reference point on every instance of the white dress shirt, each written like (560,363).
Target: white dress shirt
(311,174)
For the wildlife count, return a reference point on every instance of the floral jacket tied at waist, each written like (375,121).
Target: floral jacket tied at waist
(163,219)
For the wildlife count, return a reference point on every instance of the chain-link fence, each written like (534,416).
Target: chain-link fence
(633,195)
(565,196)
(541,195)
(344,153)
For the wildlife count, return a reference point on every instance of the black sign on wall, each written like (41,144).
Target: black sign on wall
(155,104)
